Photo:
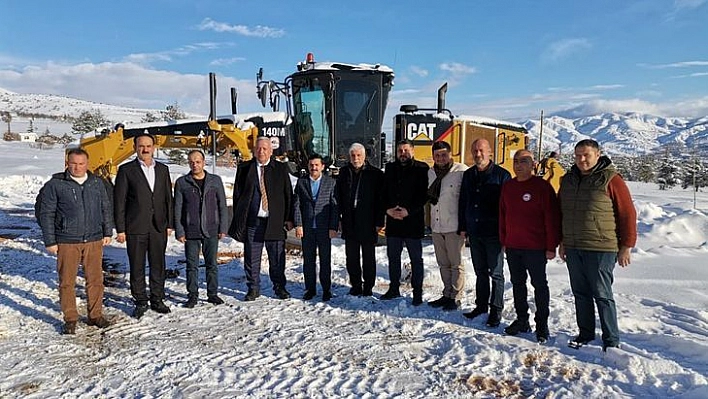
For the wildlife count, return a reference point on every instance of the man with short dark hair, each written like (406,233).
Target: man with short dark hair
(144,219)
(479,222)
(77,221)
(444,181)
(201,220)
(262,213)
(316,222)
(599,229)
(404,198)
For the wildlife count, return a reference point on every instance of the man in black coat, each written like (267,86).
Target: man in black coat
(144,218)
(316,223)
(358,192)
(404,198)
(262,211)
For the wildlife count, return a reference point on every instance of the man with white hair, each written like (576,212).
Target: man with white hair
(358,192)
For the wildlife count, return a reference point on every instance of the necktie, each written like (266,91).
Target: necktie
(264,195)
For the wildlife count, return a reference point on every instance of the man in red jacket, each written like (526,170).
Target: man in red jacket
(529,230)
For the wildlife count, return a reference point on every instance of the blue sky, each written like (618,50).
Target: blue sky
(502,59)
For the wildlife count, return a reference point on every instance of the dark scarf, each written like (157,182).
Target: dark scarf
(434,189)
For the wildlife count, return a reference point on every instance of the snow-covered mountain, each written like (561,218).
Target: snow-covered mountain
(629,133)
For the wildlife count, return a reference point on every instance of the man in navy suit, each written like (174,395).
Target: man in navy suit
(262,213)
(316,221)
(144,218)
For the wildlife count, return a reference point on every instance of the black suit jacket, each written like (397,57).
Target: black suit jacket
(279,190)
(137,209)
(360,222)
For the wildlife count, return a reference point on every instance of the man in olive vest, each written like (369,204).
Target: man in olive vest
(599,226)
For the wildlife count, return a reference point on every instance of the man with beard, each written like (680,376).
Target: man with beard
(358,193)
(479,222)
(405,195)
(444,181)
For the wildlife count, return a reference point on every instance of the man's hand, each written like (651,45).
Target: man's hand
(624,257)
(299,232)
(120,237)
(289,225)
(53,249)
(463,235)
(550,254)
(222,235)
(182,239)
(561,252)
(106,241)
(333,234)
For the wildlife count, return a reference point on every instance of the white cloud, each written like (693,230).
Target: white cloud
(127,84)
(422,72)
(688,4)
(565,48)
(683,64)
(457,68)
(256,31)
(691,75)
(168,55)
(226,61)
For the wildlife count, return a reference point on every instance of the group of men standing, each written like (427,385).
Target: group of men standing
(592,220)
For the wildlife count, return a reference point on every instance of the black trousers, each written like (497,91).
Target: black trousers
(533,262)
(252,251)
(153,245)
(360,262)
(316,241)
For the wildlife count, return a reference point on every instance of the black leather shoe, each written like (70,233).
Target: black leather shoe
(308,295)
(159,307)
(69,328)
(281,292)
(252,295)
(191,302)
(417,300)
(452,304)
(438,303)
(517,326)
(215,300)
(326,296)
(474,313)
(140,310)
(494,318)
(100,322)
(367,292)
(392,293)
(355,291)
(580,341)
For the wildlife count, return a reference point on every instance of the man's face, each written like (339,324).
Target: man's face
(77,165)
(357,158)
(264,150)
(523,165)
(442,157)
(404,152)
(586,158)
(481,153)
(144,147)
(196,163)
(315,166)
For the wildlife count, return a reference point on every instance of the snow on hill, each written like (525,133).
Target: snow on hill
(350,347)
(628,133)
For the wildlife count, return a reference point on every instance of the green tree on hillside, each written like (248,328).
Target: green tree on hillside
(89,121)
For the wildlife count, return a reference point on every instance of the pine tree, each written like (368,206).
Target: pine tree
(89,121)
(150,117)
(668,173)
(173,112)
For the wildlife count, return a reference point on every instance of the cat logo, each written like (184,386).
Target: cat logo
(420,131)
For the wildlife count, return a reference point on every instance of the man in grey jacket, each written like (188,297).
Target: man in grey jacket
(201,220)
(76,218)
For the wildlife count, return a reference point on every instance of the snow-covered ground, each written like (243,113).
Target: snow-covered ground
(348,347)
